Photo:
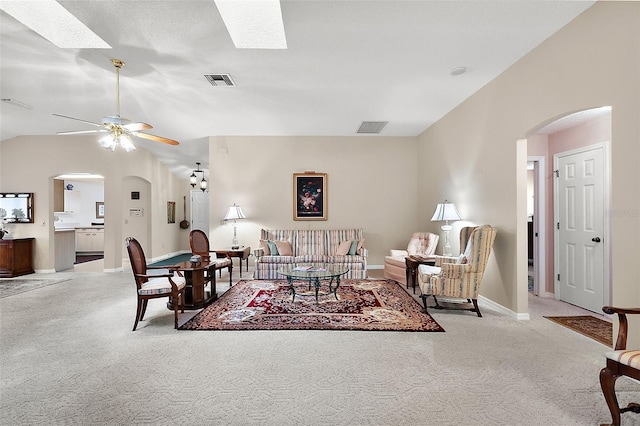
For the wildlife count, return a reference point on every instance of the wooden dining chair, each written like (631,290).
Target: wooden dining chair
(148,286)
(620,362)
(199,243)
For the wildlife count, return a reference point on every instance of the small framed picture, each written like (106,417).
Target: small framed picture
(99,209)
(171,212)
(309,196)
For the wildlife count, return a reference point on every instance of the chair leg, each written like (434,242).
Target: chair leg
(175,310)
(138,310)
(475,306)
(424,302)
(144,308)
(230,274)
(607,383)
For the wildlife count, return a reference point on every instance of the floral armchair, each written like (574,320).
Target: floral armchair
(421,243)
(459,278)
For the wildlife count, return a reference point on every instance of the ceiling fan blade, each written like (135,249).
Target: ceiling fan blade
(155,138)
(79,119)
(80,132)
(137,126)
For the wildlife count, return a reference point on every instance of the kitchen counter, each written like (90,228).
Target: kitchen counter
(65,248)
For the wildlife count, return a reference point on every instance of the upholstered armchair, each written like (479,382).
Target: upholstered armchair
(620,362)
(459,278)
(421,243)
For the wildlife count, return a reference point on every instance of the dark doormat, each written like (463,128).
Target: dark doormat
(587,325)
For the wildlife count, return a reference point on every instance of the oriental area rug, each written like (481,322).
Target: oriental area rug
(362,305)
(595,328)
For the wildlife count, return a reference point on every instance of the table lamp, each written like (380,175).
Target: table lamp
(445,212)
(234,213)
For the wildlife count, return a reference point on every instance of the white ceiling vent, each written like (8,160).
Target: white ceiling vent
(372,126)
(220,80)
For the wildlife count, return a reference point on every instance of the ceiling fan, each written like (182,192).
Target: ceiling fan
(119,130)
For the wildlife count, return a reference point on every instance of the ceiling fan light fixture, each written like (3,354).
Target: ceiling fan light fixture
(108,142)
(126,144)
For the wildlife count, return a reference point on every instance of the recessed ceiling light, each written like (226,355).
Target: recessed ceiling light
(253,24)
(53,22)
(458,71)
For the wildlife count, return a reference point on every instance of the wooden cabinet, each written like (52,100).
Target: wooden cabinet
(16,257)
(89,240)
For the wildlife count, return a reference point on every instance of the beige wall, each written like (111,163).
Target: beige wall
(371,185)
(29,163)
(577,68)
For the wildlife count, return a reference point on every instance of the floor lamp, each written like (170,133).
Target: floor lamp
(445,212)
(234,213)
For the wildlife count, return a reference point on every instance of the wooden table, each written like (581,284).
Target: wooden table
(242,253)
(196,296)
(412,263)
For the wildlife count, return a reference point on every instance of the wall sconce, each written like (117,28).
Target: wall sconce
(193,179)
(446,211)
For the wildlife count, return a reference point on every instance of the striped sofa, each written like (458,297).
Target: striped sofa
(311,246)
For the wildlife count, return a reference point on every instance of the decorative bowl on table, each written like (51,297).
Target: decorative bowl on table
(195,259)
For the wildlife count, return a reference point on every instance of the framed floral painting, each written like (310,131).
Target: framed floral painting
(309,196)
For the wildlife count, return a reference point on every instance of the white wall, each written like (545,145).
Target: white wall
(591,62)
(371,185)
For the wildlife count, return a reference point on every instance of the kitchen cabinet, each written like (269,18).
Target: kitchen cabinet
(89,240)
(65,246)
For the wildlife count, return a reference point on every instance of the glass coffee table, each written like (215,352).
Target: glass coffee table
(314,274)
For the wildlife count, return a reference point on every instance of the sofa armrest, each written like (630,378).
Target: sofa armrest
(440,260)
(363,252)
(395,253)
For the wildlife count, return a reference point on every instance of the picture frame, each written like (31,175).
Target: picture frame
(99,209)
(310,196)
(171,212)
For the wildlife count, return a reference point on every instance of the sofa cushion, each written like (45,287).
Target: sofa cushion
(311,242)
(343,248)
(273,248)
(264,245)
(284,248)
(354,248)
(311,258)
(277,259)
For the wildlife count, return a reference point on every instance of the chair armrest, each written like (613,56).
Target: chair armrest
(153,275)
(455,270)
(399,252)
(621,341)
(440,260)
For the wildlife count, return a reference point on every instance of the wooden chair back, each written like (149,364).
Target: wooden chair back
(137,259)
(199,243)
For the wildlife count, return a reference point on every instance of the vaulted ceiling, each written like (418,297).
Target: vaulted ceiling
(346,62)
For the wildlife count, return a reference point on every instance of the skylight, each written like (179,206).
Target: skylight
(53,22)
(253,24)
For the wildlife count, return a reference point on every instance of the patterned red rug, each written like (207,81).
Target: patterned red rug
(362,305)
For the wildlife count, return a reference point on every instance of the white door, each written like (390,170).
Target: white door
(580,227)
(200,210)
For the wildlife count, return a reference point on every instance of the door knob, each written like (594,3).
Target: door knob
(596,239)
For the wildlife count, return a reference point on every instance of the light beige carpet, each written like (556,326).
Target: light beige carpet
(68,357)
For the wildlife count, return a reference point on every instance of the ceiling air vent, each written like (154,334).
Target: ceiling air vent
(220,80)
(372,126)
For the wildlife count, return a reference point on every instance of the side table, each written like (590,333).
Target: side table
(242,253)
(412,263)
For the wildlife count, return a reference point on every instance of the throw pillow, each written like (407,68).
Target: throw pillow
(461,259)
(360,245)
(264,245)
(284,248)
(273,249)
(343,248)
(354,247)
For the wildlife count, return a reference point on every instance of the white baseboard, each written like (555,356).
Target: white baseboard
(375,266)
(45,271)
(503,310)
(114,270)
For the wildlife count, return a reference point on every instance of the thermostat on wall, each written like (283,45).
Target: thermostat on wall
(135,212)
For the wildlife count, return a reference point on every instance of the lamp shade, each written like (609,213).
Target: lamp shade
(234,212)
(445,211)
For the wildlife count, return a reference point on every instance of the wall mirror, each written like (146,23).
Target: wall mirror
(16,207)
